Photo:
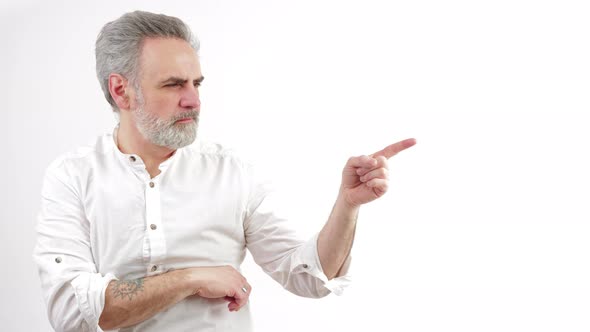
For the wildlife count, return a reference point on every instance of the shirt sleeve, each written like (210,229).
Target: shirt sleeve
(72,289)
(276,247)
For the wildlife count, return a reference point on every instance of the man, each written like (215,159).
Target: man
(145,231)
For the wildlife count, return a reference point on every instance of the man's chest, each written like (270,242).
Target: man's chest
(137,227)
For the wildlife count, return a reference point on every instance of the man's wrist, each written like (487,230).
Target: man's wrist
(344,206)
(187,281)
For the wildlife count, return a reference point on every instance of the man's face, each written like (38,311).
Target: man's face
(168,104)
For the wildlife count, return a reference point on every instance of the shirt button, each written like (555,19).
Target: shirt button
(58,260)
(154,268)
(132,158)
(153,226)
(305,266)
(152,184)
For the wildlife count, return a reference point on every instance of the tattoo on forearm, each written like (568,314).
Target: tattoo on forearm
(127,288)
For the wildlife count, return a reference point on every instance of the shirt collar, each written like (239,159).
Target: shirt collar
(134,160)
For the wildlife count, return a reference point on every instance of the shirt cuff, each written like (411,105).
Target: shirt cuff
(89,289)
(309,262)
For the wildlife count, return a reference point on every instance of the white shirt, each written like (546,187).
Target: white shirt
(103,218)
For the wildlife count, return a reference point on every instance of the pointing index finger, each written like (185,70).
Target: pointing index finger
(395,148)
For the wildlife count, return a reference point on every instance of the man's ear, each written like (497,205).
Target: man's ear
(121,91)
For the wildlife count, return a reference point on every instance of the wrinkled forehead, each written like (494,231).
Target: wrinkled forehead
(166,57)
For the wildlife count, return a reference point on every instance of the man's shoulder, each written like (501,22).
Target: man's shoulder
(81,155)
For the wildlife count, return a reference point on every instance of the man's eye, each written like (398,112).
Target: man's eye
(173,84)
(197,84)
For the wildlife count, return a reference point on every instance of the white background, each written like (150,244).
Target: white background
(486,226)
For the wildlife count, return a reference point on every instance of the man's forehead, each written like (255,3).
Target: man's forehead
(168,57)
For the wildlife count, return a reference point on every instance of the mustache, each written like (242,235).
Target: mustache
(194,114)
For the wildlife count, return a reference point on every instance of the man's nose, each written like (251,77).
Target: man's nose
(190,98)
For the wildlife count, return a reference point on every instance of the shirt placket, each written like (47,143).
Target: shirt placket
(155,246)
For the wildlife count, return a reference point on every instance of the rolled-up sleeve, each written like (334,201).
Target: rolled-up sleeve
(276,247)
(72,288)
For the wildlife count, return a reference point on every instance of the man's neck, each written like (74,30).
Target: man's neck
(130,141)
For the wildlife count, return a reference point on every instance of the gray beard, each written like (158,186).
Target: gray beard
(165,132)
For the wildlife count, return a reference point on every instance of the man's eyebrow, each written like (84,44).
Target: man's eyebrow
(174,79)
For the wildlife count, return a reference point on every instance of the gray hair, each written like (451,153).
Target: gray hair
(119,43)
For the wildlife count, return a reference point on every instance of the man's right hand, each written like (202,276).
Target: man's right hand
(126,306)
(221,282)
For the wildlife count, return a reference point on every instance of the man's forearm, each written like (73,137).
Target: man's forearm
(336,238)
(129,302)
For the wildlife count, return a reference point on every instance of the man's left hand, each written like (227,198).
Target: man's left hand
(365,178)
